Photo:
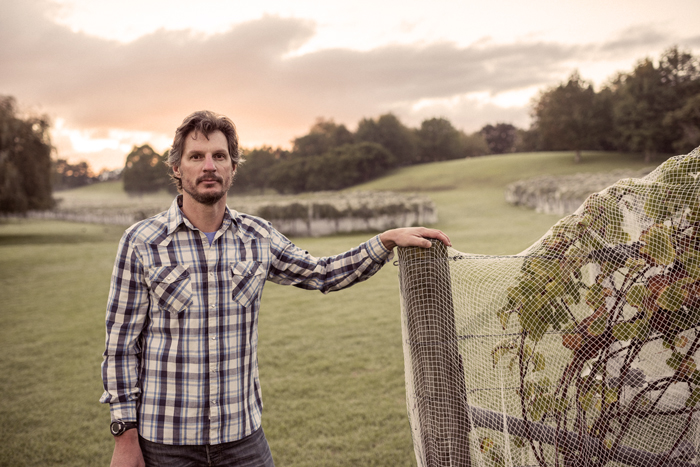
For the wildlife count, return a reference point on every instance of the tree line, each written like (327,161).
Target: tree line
(654,109)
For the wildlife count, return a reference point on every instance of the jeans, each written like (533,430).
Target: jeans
(251,451)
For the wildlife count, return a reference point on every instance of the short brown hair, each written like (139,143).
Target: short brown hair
(205,122)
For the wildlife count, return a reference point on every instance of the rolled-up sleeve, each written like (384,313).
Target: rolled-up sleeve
(127,308)
(294,266)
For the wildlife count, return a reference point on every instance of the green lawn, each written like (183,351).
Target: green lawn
(331,366)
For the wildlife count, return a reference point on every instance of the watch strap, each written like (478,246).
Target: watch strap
(118,427)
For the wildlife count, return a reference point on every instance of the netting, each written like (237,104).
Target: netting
(580,351)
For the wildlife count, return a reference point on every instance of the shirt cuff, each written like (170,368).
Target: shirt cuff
(378,252)
(124,411)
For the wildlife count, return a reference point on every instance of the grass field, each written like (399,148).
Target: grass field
(331,366)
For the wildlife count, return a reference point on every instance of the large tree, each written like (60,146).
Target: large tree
(254,175)
(687,119)
(66,175)
(145,170)
(388,131)
(25,160)
(500,138)
(323,136)
(438,140)
(647,95)
(565,117)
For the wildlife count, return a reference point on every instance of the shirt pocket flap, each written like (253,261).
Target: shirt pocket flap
(172,288)
(248,278)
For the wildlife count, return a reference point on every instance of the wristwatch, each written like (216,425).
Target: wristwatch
(117,427)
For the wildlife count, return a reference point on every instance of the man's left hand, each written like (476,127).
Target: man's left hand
(412,236)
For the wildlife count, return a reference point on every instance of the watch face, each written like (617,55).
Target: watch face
(116,428)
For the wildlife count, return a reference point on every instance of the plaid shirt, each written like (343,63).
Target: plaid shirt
(182,317)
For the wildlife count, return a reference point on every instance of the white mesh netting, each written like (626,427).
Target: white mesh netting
(580,351)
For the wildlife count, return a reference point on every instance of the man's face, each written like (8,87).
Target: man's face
(205,168)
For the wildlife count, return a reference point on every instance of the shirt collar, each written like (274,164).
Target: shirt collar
(175,218)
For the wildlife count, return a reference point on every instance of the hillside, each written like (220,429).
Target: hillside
(469,194)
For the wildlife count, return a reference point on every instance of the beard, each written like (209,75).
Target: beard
(208,198)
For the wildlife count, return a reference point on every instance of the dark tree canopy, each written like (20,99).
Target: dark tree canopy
(145,170)
(339,168)
(500,138)
(254,175)
(438,140)
(388,131)
(25,160)
(565,116)
(324,135)
(65,175)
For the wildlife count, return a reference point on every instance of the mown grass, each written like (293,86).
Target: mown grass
(331,366)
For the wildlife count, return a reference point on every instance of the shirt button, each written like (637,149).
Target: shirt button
(213,338)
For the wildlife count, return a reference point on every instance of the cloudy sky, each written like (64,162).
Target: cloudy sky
(112,74)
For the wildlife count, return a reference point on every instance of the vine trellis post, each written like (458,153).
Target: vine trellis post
(437,365)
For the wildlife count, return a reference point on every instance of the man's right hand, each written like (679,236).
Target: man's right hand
(127,451)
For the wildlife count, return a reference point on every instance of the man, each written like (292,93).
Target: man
(180,366)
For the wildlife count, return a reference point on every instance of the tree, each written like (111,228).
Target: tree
(65,176)
(565,117)
(255,174)
(500,138)
(339,168)
(25,160)
(687,118)
(438,140)
(145,170)
(388,131)
(474,144)
(323,136)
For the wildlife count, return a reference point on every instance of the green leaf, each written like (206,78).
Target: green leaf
(537,330)
(637,294)
(655,205)
(541,405)
(546,267)
(695,377)
(611,395)
(643,329)
(554,289)
(531,285)
(595,296)
(503,316)
(675,360)
(691,263)
(597,327)
(624,331)
(672,297)
(694,398)
(560,405)
(539,361)
(658,245)
(590,401)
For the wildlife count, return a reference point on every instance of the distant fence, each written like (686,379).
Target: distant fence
(310,215)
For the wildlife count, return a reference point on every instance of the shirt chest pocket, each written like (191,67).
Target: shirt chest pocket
(248,278)
(171,287)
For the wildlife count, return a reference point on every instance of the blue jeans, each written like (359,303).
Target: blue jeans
(251,451)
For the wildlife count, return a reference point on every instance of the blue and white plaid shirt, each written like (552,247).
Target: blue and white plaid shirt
(182,321)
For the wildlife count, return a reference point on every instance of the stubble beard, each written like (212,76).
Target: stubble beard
(208,198)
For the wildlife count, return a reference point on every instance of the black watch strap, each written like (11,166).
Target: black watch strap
(118,427)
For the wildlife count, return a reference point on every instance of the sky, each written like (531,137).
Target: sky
(114,74)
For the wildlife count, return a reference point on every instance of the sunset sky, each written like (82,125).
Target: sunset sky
(111,74)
